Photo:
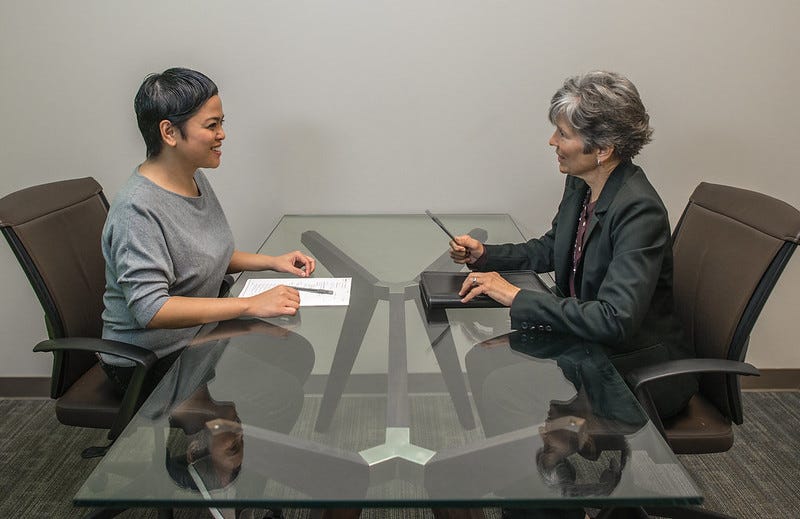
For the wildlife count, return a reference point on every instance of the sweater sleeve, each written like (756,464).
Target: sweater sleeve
(141,262)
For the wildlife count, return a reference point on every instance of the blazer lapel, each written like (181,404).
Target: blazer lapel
(612,186)
(593,221)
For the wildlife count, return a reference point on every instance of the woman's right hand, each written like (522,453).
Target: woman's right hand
(465,249)
(281,300)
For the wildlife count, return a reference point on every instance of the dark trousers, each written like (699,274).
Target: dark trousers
(121,375)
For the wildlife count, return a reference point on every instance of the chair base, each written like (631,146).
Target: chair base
(95,452)
(108,513)
(104,513)
(688,512)
(622,513)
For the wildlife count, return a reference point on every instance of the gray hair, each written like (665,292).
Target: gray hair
(605,109)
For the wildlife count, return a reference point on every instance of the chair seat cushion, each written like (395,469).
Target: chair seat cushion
(699,429)
(89,402)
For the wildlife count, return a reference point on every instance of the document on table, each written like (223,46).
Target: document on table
(326,291)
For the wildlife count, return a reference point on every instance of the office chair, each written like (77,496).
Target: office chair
(54,230)
(730,247)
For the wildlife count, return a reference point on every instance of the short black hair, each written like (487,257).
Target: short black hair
(174,95)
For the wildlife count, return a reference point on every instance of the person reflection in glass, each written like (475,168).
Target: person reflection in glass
(205,447)
(586,427)
(588,419)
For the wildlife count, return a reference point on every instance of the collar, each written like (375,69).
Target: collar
(613,184)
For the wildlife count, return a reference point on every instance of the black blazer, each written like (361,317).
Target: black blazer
(624,283)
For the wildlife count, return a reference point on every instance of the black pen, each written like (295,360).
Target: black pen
(440,224)
(314,290)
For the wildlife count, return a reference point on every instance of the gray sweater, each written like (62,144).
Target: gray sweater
(159,244)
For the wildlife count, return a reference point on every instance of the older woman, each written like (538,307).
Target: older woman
(609,243)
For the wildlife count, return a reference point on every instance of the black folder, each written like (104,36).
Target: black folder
(439,290)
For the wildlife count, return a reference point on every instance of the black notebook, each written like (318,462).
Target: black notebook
(440,289)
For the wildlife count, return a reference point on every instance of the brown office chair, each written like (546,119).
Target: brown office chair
(54,230)
(730,247)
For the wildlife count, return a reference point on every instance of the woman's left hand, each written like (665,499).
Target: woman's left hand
(295,263)
(490,283)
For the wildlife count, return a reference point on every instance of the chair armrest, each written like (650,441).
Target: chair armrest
(142,357)
(227,283)
(137,354)
(646,374)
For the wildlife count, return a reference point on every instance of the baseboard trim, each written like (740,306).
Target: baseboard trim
(770,380)
(773,380)
(24,387)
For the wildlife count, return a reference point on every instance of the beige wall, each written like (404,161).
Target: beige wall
(398,106)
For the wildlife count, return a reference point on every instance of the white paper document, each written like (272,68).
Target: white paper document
(327,291)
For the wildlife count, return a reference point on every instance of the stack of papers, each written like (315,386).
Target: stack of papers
(326,291)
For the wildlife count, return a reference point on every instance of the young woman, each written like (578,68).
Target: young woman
(166,241)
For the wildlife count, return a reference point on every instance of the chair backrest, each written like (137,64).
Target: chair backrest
(730,247)
(54,230)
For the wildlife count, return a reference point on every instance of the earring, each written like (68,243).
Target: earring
(598,161)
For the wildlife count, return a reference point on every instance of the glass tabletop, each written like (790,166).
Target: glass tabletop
(381,404)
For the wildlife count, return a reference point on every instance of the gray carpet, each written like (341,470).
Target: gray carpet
(759,477)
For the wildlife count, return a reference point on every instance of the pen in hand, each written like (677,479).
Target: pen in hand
(314,290)
(440,224)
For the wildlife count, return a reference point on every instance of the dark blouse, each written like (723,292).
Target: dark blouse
(577,249)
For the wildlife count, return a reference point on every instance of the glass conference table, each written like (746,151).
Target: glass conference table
(380,404)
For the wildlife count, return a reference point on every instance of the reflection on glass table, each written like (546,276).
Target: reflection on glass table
(377,405)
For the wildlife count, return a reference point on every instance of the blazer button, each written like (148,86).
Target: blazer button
(548,328)
(524,325)
(541,327)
